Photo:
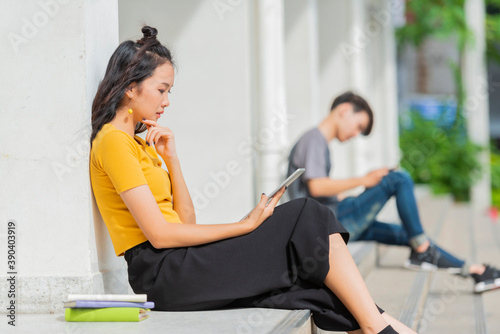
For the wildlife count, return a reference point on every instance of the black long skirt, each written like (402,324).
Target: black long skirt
(282,264)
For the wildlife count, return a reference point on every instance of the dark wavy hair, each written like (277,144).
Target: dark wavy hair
(132,62)
(359,104)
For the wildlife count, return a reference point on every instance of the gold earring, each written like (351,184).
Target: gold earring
(130,111)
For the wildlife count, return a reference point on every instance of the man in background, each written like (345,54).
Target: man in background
(350,116)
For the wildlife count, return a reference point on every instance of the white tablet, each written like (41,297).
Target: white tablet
(285,183)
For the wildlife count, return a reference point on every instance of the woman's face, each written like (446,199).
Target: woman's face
(150,97)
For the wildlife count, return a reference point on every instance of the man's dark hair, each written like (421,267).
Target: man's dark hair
(359,104)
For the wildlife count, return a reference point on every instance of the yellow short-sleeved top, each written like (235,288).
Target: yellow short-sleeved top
(119,162)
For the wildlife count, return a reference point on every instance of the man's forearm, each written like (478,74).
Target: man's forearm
(327,187)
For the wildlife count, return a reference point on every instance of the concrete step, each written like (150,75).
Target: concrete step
(247,320)
(381,267)
(451,305)
(250,320)
(401,292)
(487,237)
(439,302)
(244,321)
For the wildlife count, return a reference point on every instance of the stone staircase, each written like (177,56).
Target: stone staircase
(438,302)
(427,302)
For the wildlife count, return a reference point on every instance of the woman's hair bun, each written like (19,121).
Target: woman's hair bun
(149,32)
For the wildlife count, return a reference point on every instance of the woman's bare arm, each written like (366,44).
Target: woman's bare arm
(182,202)
(164,142)
(162,234)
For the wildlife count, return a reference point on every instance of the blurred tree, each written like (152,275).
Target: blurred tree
(493,55)
(452,166)
(493,30)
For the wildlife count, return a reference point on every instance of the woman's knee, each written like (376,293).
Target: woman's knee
(306,203)
(298,201)
(314,205)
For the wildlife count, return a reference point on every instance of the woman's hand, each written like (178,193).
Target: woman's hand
(262,211)
(162,138)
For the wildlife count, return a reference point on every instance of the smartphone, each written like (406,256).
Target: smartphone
(285,183)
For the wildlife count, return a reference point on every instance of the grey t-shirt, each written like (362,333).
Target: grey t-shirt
(312,153)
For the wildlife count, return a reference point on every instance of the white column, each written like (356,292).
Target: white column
(373,69)
(476,106)
(335,71)
(384,82)
(99,47)
(272,130)
(56,53)
(313,45)
(360,77)
(302,67)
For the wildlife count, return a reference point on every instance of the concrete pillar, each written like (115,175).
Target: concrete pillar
(271,130)
(335,37)
(360,56)
(302,66)
(476,105)
(382,90)
(359,66)
(53,56)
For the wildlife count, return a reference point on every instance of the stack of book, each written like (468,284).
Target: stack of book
(96,308)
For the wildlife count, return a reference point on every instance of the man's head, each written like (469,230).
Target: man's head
(353,116)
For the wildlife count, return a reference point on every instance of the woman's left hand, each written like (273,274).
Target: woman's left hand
(162,138)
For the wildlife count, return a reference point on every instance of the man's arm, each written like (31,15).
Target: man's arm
(322,187)
(325,186)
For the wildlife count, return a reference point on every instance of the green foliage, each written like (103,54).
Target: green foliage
(439,156)
(443,157)
(495,177)
(492,23)
(445,18)
(434,18)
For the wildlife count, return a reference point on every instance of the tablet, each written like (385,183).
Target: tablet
(285,183)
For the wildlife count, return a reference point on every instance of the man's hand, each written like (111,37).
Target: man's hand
(373,178)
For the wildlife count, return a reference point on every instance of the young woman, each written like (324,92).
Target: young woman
(293,256)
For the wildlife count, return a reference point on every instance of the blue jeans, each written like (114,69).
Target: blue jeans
(357,214)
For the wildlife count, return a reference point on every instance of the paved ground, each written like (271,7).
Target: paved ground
(439,302)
